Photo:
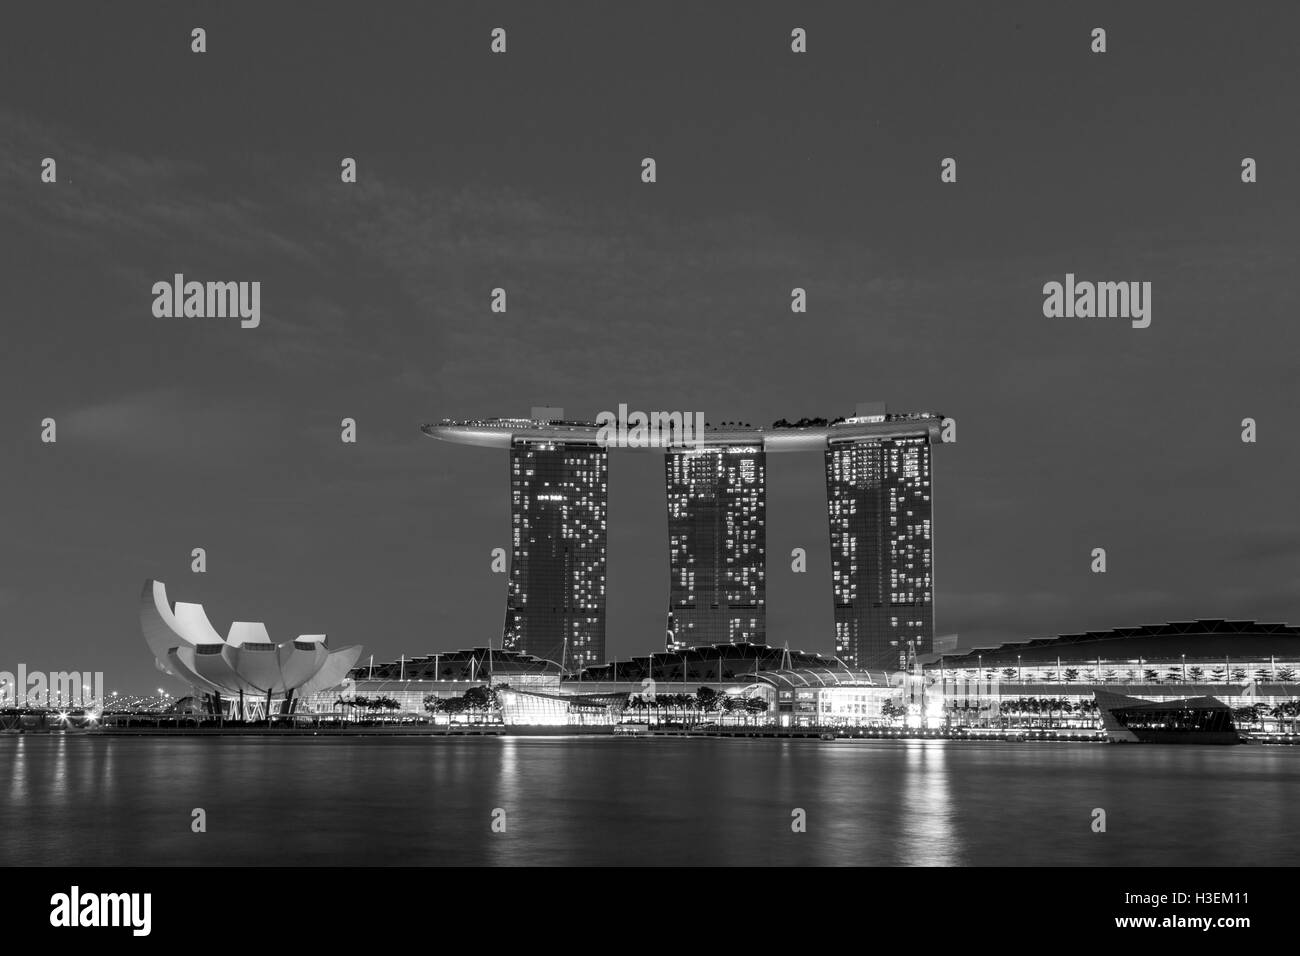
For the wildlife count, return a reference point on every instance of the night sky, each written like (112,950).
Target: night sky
(522,170)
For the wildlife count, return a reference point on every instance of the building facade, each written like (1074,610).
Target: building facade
(880,512)
(555,609)
(717,546)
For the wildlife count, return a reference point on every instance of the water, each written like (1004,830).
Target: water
(421,801)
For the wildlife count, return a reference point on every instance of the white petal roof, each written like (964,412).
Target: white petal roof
(186,645)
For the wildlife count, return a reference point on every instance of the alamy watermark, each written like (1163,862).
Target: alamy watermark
(77,909)
(626,429)
(1101,300)
(64,687)
(208,300)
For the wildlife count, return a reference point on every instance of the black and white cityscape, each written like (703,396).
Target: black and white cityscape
(767,434)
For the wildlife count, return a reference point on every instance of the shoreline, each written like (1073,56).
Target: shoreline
(830,735)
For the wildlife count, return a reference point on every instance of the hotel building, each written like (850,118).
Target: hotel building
(881,537)
(880,519)
(717,545)
(555,608)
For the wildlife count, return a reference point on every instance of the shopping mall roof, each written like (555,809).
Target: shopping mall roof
(824,677)
(474,663)
(715,662)
(1206,639)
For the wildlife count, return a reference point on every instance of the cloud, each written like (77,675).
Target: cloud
(173,424)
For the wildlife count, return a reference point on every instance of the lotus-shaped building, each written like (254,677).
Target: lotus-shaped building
(245,663)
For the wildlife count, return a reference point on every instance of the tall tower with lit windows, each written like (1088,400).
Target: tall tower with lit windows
(880,510)
(555,608)
(717,545)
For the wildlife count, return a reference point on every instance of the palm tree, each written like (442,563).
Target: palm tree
(688,703)
(1068,708)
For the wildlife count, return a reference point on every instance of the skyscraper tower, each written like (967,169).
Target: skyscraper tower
(878,497)
(555,608)
(717,545)
(879,508)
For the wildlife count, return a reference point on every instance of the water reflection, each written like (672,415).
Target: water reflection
(928,836)
(106,801)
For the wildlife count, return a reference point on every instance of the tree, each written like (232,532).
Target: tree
(1239,674)
(1009,673)
(1217,674)
(1196,673)
(1248,715)
(480,699)
(1286,674)
(1071,674)
(1151,676)
(707,699)
(476,697)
